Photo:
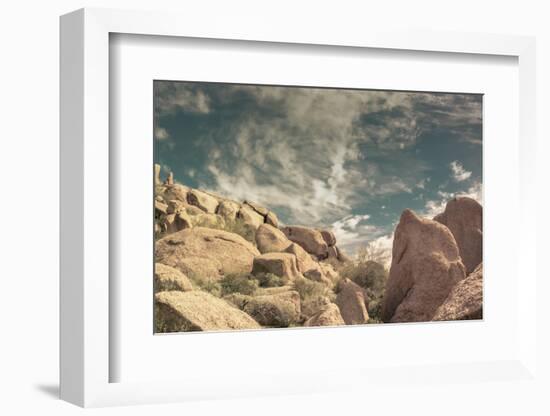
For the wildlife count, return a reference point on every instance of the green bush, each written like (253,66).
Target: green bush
(233,283)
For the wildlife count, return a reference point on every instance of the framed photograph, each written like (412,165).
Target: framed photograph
(237,208)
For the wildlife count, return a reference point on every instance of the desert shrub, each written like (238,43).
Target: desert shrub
(238,226)
(235,283)
(369,275)
(206,284)
(309,289)
(270,280)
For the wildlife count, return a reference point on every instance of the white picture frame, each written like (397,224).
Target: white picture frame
(85,213)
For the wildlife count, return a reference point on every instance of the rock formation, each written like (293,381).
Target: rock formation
(206,252)
(309,239)
(275,310)
(270,239)
(177,311)
(223,264)
(352,303)
(167,278)
(329,315)
(465,300)
(202,200)
(425,267)
(464,217)
(279,264)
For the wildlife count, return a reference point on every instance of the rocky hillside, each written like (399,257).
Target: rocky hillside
(223,264)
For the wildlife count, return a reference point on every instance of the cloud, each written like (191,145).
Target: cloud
(383,247)
(171,97)
(315,155)
(161,133)
(354,231)
(459,174)
(435,207)
(308,142)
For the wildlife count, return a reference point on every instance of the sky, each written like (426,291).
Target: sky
(346,160)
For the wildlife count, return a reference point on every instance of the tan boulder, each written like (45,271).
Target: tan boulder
(310,239)
(333,253)
(279,264)
(206,252)
(465,300)
(161,208)
(167,278)
(250,217)
(276,310)
(329,315)
(228,209)
(177,311)
(311,305)
(270,239)
(426,265)
(258,208)
(176,192)
(177,222)
(202,200)
(351,301)
(310,268)
(272,219)
(464,217)
(329,237)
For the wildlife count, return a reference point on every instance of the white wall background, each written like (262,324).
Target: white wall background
(29,210)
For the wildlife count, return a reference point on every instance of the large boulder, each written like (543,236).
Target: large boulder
(275,310)
(161,208)
(270,239)
(202,200)
(307,266)
(167,278)
(352,302)
(228,209)
(465,300)
(177,311)
(271,219)
(206,253)
(258,208)
(176,206)
(176,222)
(250,217)
(464,217)
(310,239)
(279,264)
(329,315)
(426,265)
(329,237)
(176,192)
